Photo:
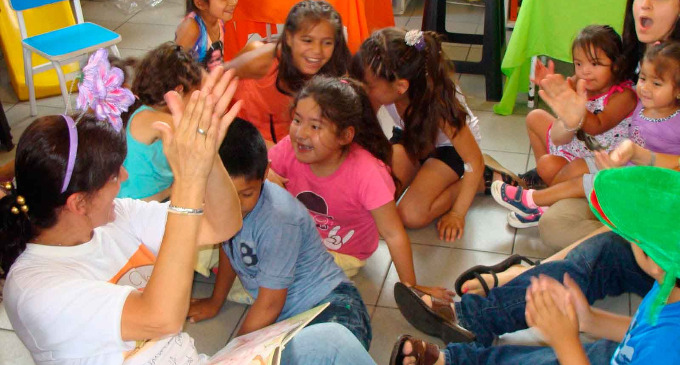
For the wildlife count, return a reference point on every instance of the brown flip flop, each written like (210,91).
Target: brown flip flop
(425,353)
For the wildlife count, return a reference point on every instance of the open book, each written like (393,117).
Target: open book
(264,347)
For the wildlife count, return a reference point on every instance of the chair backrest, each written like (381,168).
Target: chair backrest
(20,5)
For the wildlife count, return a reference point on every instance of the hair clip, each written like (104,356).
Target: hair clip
(415,38)
(22,206)
(101,90)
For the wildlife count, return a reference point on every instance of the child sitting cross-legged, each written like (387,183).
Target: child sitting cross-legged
(560,311)
(278,254)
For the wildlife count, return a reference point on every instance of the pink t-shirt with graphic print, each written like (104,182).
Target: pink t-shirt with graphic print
(341,203)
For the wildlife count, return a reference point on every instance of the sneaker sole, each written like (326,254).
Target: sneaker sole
(514,222)
(497,196)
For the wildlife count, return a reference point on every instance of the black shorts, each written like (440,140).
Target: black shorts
(446,154)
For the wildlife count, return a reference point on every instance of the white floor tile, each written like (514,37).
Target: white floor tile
(153,35)
(502,133)
(213,334)
(436,266)
(166,13)
(371,277)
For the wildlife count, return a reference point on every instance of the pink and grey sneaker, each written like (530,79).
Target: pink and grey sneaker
(519,221)
(514,198)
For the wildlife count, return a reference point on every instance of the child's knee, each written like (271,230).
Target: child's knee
(411,216)
(548,166)
(538,120)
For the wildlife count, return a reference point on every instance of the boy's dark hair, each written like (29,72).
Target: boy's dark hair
(243,151)
(161,70)
(605,38)
(302,15)
(432,93)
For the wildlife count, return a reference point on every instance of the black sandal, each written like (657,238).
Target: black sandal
(476,272)
(492,166)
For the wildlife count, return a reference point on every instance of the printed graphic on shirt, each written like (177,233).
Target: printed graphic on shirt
(248,254)
(137,272)
(318,209)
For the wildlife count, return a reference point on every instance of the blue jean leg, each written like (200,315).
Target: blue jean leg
(599,353)
(348,309)
(602,265)
(325,343)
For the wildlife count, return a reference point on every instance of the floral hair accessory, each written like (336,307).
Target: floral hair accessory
(101,90)
(415,38)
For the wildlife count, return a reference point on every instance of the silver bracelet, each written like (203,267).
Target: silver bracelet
(580,124)
(653,159)
(184,211)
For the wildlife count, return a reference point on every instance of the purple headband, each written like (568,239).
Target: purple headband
(72,150)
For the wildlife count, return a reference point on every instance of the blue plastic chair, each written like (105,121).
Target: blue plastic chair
(61,46)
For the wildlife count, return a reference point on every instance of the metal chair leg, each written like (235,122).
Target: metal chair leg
(28,74)
(62,84)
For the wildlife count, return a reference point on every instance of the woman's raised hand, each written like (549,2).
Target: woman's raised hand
(199,127)
(567,103)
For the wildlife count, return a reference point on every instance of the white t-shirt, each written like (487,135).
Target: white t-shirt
(66,303)
(442,139)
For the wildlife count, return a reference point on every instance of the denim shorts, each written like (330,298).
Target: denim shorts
(347,308)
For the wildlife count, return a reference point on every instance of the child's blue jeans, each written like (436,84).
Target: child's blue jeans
(348,309)
(602,265)
(325,344)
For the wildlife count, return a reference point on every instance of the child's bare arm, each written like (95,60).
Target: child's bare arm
(187,34)
(265,310)
(205,308)
(255,63)
(392,230)
(451,224)
(619,106)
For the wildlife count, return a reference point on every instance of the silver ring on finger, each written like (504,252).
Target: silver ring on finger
(202,131)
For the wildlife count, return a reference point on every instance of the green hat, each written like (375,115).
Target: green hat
(642,205)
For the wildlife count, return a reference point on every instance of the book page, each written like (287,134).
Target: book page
(260,347)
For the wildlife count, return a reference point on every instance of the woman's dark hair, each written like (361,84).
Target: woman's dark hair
(665,58)
(40,166)
(633,49)
(605,38)
(304,15)
(162,70)
(345,103)
(431,92)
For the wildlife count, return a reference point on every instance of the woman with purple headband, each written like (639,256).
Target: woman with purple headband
(93,279)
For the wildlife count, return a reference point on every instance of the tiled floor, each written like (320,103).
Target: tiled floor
(487,237)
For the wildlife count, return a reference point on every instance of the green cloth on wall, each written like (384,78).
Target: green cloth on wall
(548,27)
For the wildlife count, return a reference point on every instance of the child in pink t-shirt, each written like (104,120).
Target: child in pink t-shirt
(335,161)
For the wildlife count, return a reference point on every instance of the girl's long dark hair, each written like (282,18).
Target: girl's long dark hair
(302,15)
(633,49)
(604,38)
(345,103)
(432,94)
(40,166)
(161,70)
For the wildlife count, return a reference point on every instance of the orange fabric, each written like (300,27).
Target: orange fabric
(236,35)
(265,105)
(353,13)
(142,257)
